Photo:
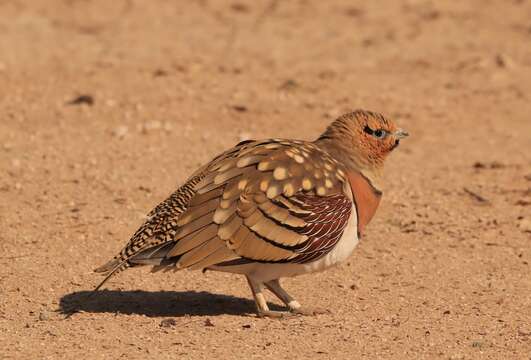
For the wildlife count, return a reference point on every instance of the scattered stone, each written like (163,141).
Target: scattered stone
(503,61)
(476,196)
(110,102)
(327,74)
(155,125)
(431,15)
(167,127)
(354,12)
(288,85)
(160,73)
(446,312)
(240,108)
(166,323)
(525,225)
(367,42)
(208,322)
(239,7)
(144,188)
(120,132)
(82,99)
(477,344)
(492,165)
(456,357)
(497,165)
(246,326)
(395,322)
(353,287)
(44,316)
(15,163)
(150,126)
(408,226)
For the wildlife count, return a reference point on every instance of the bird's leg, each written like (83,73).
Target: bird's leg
(261,304)
(291,303)
(275,288)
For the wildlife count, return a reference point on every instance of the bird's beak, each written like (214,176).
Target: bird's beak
(401,133)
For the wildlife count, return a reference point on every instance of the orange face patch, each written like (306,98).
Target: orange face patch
(370,144)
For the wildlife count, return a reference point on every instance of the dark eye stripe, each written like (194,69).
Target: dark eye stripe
(368,130)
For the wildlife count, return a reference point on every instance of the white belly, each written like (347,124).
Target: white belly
(267,271)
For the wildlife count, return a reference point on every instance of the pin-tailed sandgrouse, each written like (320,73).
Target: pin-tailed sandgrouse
(271,208)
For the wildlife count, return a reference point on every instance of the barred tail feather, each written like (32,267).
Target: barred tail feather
(110,269)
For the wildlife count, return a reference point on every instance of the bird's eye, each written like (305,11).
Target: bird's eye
(380,134)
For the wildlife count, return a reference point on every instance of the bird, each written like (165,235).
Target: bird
(271,209)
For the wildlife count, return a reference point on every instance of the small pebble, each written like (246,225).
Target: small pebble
(44,315)
(120,132)
(82,99)
(160,73)
(110,102)
(240,108)
(166,323)
(239,7)
(154,125)
(289,84)
(503,61)
(525,225)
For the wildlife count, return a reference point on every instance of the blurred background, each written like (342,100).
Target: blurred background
(106,106)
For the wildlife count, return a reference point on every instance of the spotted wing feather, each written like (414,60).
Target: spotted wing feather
(281,201)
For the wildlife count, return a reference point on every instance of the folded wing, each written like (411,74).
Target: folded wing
(268,201)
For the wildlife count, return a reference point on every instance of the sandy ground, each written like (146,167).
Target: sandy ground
(444,271)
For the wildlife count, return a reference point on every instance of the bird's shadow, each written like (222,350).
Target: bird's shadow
(157,304)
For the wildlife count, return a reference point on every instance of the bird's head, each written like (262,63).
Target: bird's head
(362,139)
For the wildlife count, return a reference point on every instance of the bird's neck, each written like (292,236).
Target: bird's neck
(352,162)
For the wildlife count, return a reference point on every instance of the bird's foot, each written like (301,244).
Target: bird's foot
(276,314)
(305,311)
(302,311)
